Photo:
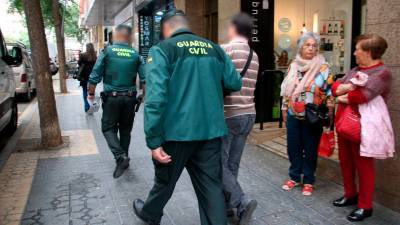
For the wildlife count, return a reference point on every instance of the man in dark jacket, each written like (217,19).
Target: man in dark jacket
(184,118)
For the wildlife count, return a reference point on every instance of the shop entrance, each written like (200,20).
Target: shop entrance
(278,25)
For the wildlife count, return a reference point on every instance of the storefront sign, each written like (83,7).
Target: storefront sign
(146,32)
(262,40)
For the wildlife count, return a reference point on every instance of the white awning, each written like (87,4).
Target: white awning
(103,12)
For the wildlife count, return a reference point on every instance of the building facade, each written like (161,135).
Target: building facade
(278,24)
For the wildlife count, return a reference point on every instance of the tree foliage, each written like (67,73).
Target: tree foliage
(22,37)
(71,21)
(69,11)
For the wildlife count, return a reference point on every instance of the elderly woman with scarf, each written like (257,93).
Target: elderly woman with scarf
(308,83)
(356,153)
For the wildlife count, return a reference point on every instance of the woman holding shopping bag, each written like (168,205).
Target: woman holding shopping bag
(306,93)
(362,111)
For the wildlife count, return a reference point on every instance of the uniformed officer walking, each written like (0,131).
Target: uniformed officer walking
(118,66)
(184,118)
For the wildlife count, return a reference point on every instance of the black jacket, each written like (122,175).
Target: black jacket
(87,66)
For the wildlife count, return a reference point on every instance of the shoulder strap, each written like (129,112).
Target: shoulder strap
(246,67)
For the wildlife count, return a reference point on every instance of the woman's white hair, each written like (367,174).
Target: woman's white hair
(304,37)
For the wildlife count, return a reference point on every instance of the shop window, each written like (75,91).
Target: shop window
(331,19)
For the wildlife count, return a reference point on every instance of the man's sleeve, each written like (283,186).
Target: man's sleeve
(231,78)
(157,79)
(142,64)
(98,70)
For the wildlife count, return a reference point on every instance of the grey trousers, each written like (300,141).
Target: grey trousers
(232,148)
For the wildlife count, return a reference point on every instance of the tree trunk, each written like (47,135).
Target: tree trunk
(60,45)
(49,125)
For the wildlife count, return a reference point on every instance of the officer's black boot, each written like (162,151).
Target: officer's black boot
(122,165)
(138,207)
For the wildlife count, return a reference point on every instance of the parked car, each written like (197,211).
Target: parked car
(23,73)
(8,102)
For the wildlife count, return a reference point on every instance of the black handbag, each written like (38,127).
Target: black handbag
(317,115)
(243,73)
(79,75)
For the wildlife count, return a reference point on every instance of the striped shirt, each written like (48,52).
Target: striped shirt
(241,102)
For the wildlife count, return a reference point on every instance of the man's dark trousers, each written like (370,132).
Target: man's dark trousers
(202,160)
(118,116)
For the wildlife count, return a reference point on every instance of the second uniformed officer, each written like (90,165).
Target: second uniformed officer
(184,118)
(118,66)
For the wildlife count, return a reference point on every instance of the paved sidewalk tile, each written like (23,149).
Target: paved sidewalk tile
(74,185)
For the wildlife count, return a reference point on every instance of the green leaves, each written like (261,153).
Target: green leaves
(69,10)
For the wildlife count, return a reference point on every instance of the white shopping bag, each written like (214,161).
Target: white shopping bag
(94,104)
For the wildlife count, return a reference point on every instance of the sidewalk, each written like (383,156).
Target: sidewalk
(73,185)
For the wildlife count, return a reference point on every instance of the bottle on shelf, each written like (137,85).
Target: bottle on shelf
(324,29)
(330,28)
(336,29)
(342,30)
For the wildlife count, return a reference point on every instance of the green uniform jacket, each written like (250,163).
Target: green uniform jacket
(118,66)
(184,93)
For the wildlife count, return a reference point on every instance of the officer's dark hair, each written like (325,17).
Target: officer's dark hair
(243,24)
(124,28)
(175,18)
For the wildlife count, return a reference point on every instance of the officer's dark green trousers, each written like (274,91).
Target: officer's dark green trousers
(202,160)
(118,116)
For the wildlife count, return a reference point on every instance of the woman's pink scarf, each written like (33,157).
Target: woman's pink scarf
(291,86)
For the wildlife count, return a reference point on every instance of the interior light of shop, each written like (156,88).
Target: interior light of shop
(160,13)
(315,23)
(304,28)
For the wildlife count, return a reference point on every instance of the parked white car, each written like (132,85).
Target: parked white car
(8,102)
(23,73)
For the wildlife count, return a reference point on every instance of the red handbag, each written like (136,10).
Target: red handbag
(348,125)
(326,144)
